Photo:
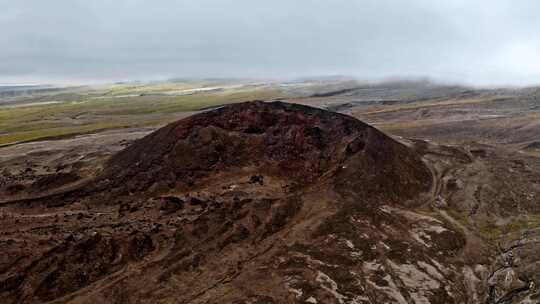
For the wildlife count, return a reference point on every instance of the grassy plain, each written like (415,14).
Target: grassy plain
(116,106)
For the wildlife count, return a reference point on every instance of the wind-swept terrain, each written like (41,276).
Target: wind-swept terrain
(323,191)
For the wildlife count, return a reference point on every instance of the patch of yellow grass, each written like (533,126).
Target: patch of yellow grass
(18,124)
(491,230)
(55,132)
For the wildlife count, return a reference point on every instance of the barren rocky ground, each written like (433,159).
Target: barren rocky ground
(279,203)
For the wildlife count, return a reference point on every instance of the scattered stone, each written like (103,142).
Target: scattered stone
(257,179)
(454,184)
(170,204)
(440,202)
(194,201)
(311,300)
(123,208)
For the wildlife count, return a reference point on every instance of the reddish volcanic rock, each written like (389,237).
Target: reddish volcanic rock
(249,203)
(288,140)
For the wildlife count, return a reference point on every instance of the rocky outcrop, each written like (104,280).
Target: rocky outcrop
(250,203)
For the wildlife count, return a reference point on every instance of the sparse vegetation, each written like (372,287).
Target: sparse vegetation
(436,103)
(92,114)
(491,230)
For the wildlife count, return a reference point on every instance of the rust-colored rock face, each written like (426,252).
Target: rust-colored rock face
(250,203)
(292,141)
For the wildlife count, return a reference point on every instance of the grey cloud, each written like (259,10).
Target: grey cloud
(477,42)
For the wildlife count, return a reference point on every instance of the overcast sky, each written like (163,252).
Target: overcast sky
(481,42)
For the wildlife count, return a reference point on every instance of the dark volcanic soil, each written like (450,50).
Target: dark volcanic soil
(292,142)
(260,203)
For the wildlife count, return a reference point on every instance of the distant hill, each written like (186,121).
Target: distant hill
(15,89)
(22,87)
